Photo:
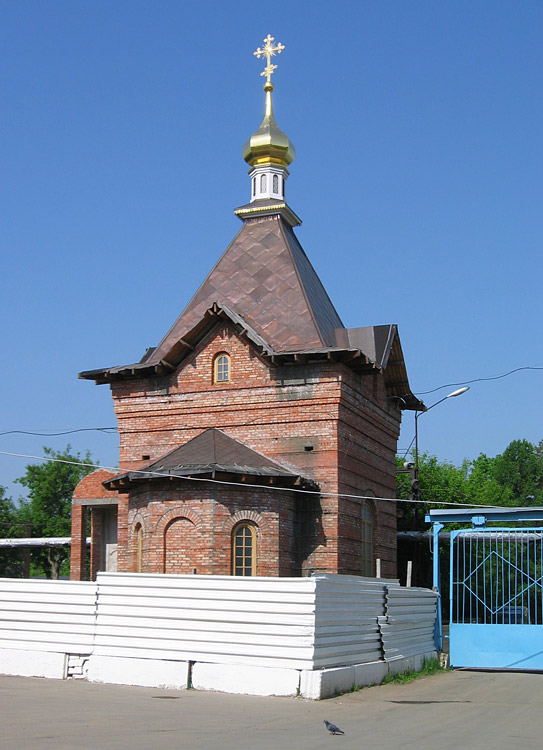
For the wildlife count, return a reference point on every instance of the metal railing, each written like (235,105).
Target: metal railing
(496,577)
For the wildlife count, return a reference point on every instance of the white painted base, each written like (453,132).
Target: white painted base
(325,683)
(228,678)
(156,673)
(244,680)
(21,663)
(370,674)
(411,662)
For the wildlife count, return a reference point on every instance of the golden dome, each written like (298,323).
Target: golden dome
(268,145)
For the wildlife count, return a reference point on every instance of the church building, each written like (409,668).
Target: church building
(259,436)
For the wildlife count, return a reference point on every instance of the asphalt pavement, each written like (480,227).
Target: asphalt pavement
(461,710)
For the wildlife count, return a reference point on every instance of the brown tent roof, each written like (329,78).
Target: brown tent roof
(209,454)
(265,285)
(265,276)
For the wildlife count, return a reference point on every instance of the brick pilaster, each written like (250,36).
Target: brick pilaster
(79,543)
(97,541)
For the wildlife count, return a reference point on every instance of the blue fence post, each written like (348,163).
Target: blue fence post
(438,629)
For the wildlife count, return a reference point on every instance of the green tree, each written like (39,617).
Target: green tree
(482,487)
(50,488)
(11,526)
(519,471)
(439,482)
(512,478)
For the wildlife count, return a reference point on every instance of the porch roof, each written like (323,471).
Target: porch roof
(466,515)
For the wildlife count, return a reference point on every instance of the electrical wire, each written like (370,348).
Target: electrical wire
(478,380)
(118,470)
(408,448)
(51,433)
(113,430)
(467,382)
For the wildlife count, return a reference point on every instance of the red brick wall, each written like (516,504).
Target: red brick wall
(89,488)
(368,429)
(343,417)
(188,527)
(78,552)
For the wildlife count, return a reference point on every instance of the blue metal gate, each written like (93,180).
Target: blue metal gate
(496,598)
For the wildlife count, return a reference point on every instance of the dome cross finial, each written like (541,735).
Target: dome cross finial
(268,151)
(269,51)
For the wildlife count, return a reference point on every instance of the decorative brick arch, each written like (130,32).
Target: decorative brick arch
(246,515)
(178,513)
(139,519)
(173,514)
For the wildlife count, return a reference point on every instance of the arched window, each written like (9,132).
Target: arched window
(366,522)
(221,368)
(262,183)
(254,186)
(275,183)
(139,548)
(244,550)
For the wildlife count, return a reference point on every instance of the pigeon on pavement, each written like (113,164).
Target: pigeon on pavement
(332,728)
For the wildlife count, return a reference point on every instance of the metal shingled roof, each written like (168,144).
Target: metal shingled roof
(213,451)
(266,286)
(265,276)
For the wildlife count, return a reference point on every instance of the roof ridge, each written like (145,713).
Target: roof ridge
(287,233)
(302,285)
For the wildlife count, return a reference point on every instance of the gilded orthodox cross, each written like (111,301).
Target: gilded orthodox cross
(269,51)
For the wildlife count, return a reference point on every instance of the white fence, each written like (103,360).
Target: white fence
(41,615)
(230,620)
(213,631)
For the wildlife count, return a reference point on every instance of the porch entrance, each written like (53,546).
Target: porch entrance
(496,602)
(496,589)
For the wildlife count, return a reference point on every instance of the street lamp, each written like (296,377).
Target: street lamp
(415,482)
(438,629)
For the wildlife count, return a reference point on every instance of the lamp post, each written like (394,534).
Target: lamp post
(438,629)
(415,480)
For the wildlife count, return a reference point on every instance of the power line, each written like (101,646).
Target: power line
(408,448)
(478,380)
(466,382)
(51,433)
(118,469)
(113,430)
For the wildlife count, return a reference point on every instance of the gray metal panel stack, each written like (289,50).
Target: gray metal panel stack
(408,626)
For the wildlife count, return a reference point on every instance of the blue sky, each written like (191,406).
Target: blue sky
(417,128)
